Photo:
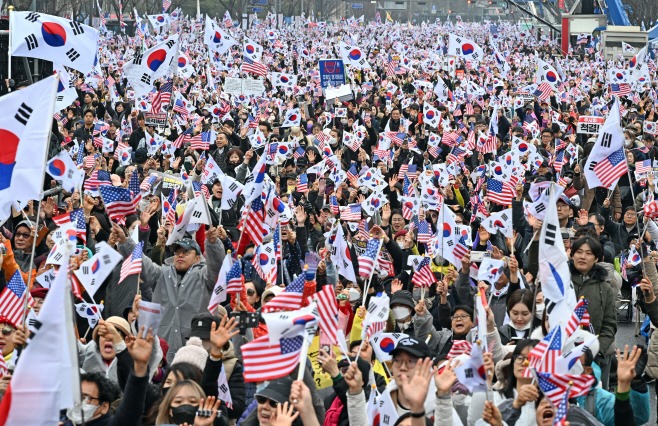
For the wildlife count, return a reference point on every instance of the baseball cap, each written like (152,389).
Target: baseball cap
(201,325)
(413,347)
(565,199)
(278,390)
(187,244)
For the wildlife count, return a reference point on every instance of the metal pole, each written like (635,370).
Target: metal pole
(10,9)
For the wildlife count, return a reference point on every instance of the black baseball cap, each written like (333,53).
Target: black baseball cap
(187,244)
(278,390)
(201,325)
(413,347)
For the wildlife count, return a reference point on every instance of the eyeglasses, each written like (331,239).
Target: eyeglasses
(461,317)
(6,331)
(263,400)
(562,206)
(410,363)
(182,252)
(22,235)
(251,292)
(520,359)
(87,399)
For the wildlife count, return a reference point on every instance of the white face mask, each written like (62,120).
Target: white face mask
(332,141)
(539,310)
(143,204)
(76,414)
(627,142)
(401,244)
(401,312)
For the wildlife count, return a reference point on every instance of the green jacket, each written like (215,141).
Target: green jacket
(601,308)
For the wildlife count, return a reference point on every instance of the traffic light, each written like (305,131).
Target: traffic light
(449,12)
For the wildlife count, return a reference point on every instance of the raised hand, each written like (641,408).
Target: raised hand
(626,367)
(219,336)
(415,387)
(140,349)
(444,379)
(284,415)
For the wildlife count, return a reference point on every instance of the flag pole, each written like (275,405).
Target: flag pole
(36,225)
(10,9)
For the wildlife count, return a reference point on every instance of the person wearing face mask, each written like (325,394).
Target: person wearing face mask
(183,402)
(519,310)
(235,162)
(98,392)
(413,319)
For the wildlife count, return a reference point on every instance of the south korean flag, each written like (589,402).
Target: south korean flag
(293,118)
(216,39)
(60,40)
(287,81)
(354,56)
(147,67)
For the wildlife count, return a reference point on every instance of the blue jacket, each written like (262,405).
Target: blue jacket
(605,403)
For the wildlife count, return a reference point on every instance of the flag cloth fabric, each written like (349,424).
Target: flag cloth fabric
(54,391)
(580,317)
(219,292)
(499,192)
(341,255)
(328,312)
(63,170)
(606,162)
(93,272)
(464,48)
(368,259)
(223,391)
(146,67)
(422,276)
(133,263)
(471,373)
(234,279)
(263,361)
(118,202)
(77,219)
(25,124)
(12,299)
(538,358)
(289,299)
(60,40)
(554,386)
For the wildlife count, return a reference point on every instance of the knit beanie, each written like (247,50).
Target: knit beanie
(192,353)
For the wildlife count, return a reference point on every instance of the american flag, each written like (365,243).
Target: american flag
(118,201)
(499,192)
(98,178)
(11,299)
(183,137)
(375,328)
(134,188)
(133,263)
(333,203)
(163,97)
(396,137)
(299,153)
(624,265)
(289,299)
(620,89)
(253,67)
(554,386)
(642,166)
(543,92)
(254,222)
(90,161)
(611,168)
(351,212)
(179,107)
(424,232)
(579,317)
(352,173)
(367,259)
(201,141)
(148,183)
(77,217)
(456,155)
(410,170)
(543,356)
(169,206)
(200,189)
(460,250)
(423,277)
(460,347)
(165,5)
(109,81)
(328,312)
(252,123)
(234,280)
(263,361)
(560,161)
(302,183)
(363,229)
(390,66)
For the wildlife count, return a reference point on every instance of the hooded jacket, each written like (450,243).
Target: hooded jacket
(181,296)
(602,303)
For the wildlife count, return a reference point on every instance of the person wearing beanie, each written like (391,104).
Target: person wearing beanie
(192,353)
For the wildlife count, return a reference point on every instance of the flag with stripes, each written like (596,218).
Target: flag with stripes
(642,167)
(351,212)
(253,67)
(134,187)
(289,299)
(328,312)
(234,278)
(133,263)
(163,97)
(367,259)
(424,232)
(77,218)
(11,299)
(118,201)
(554,386)
(544,355)
(254,222)
(621,89)
(499,192)
(423,276)
(580,317)
(263,361)
(611,168)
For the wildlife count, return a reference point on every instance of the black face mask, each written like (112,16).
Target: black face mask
(165,390)
(184,414)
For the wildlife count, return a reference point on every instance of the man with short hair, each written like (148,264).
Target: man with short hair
(86,132)
(182,284)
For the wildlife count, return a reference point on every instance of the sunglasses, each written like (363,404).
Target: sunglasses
(22,235)
(6,331)
(264,400)
(251,292)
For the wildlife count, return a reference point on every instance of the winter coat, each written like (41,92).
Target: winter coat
(651,309)
(589,199)
(498,304)
(181,297)
(90,360)
(602,303)
(234,378)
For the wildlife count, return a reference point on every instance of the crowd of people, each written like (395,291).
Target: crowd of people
(447,220)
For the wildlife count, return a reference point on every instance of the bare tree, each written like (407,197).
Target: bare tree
(643,10)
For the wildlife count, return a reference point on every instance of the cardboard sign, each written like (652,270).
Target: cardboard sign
(590,125)
(459,74)
(243,86)
(156,119)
